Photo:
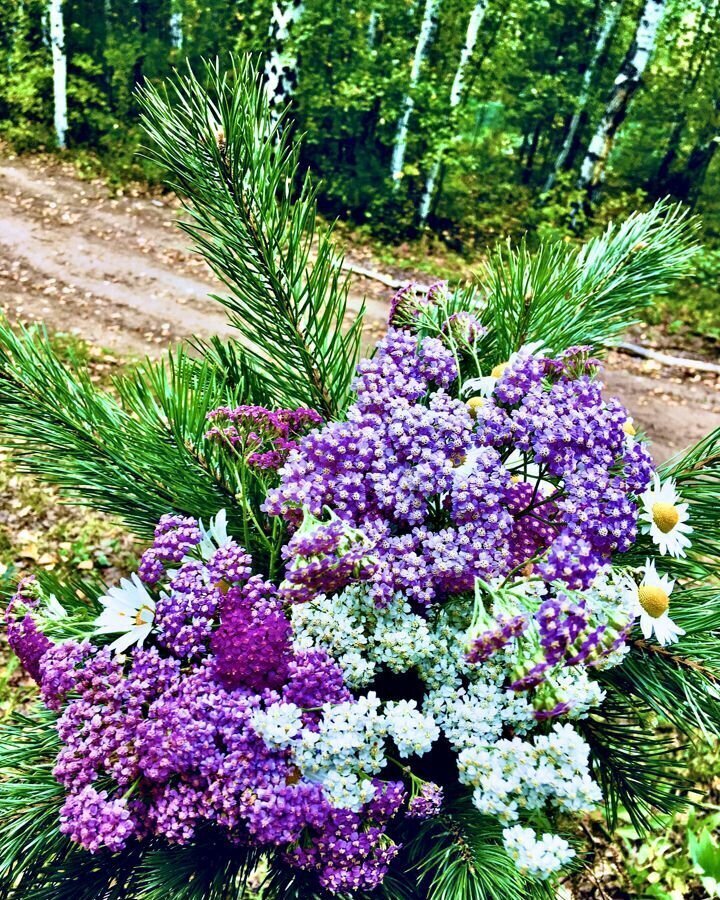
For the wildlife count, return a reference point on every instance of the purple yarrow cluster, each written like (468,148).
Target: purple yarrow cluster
(160,742)
(425,482)
(427,803)
(25,638)
(323,557)
(175,536)
(346,849)
(261,436)
(553,411)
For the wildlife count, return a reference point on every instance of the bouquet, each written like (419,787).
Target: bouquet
(397,624)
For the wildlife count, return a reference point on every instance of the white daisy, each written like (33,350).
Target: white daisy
(665,517)
(485,385)
(128,611)
(216,535)
(653,602)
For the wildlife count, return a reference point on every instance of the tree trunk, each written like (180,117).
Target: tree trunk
(423,42)
(686,183)
(456,95)
(626,84)
(703,40)
(176,26)
(280,75)
(610,19)
(59,61)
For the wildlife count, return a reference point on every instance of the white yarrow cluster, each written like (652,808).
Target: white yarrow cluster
(413,733)
(517,775)
(538,858)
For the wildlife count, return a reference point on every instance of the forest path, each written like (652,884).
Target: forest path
(115,271)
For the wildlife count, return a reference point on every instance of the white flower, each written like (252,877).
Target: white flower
(486,384)
(413,733)
(129,611)
(653,601)
(533,857)
(665,517)
(216,535)
(279,724)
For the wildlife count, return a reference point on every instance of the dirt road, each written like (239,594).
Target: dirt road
(115,271)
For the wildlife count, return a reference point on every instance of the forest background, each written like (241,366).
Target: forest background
(457,120)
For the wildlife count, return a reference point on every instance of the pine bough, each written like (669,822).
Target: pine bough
(396,624)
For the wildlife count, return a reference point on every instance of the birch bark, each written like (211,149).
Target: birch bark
(610,20)
(427,27)
(456,95)
(281,66)
(59,64)
(626,84)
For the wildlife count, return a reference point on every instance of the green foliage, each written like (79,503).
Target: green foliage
(460,855)
(234,166)
(562,297)
(134,457)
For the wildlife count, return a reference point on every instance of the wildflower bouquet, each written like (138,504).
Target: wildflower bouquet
(396,625)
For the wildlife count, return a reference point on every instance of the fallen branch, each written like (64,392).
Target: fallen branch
(665,359)
(684,362)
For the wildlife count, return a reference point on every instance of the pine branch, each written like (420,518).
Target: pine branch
(564,297)
(635,768)
(235,168)
(459,855)
(134,458)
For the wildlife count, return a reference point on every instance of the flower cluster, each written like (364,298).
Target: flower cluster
(261,437)
(451,583)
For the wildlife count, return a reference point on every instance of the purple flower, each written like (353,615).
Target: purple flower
(427,803)
(251,648)
(24,637)
(96,822)
(262,437)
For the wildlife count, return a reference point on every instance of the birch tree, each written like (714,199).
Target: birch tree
(281,65)
(59,64)
(176,26)
(607,26)
(427,27)
(456,94)
(626,84)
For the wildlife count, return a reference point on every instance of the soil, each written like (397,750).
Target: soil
(116,271)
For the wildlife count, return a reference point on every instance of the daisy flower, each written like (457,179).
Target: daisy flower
(216,535)
(653,602)
(128,611)
(664,517)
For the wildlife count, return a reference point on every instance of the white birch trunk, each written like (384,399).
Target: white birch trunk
(176,27)
(280,75)
(608,26)
(372,28)
(423,42)
(456,94)
(59,61)
(626,83)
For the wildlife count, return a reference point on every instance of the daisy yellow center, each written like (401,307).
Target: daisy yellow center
(653,600)
(140,616)
(474,404)
(499,369)
(665,516)
(629,428)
